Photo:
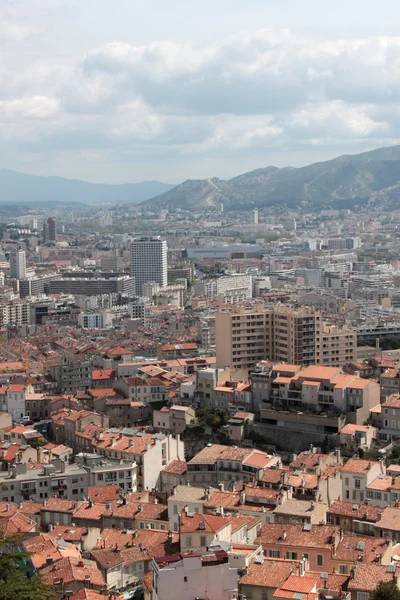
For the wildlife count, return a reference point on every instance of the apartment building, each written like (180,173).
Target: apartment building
(18,264)
(54,479)
(148,261)
(389,418)
(335,346)
(72,373)
(151,452)
(243,335)
(211,576)
(319,390)
(357,476)
(295,333)
(247,334)
(217,464)
(15,312)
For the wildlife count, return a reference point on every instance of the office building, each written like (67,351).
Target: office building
(49,230)
(18,264)
(148,257)
(254,216)
(92,283)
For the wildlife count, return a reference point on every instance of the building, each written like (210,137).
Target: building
(186,576)
(91,283)
(18,264)
(15,312)
(328,396)
(148,260)
(49,230)
(243,335)
(336,346)
(217,464)
(186,497)
(53,479)
(248,334)
(357,476)
(254,216)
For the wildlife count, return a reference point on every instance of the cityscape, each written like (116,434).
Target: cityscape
(199,305)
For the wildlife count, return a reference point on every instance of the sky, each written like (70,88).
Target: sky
(117,91)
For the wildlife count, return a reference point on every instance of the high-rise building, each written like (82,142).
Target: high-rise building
(49,230)
(148,256)
(246,335)
(18,264)
(254,216)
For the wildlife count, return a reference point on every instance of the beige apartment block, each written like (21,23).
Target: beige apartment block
(335,346)
(247,334)
(243,335)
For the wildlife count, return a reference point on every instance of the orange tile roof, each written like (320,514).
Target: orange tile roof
(271,573)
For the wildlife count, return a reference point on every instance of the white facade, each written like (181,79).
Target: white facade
(18,264)
(192,578)
(148,257)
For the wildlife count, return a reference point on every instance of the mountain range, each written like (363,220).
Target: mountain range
(21,188)
(367,180)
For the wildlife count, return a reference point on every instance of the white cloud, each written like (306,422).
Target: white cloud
(251,92)
(35,107)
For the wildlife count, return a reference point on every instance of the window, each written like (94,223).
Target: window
(343,569)
(354,495)
(175,509)
(362,595)
(185,579)
(320,560)
(291,555)
(188,540)
(275,553)
(346,481)
(305,555)
(347,495)
(203,541)
(357,484)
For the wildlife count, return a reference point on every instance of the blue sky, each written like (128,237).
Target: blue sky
(127,90)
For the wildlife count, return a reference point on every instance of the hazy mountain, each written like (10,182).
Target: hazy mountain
(22,188)
(347,181)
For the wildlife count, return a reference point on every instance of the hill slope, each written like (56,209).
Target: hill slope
(22,188)
(345,182)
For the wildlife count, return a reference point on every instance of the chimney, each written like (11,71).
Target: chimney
(284,535)
(242,498)
(49,560)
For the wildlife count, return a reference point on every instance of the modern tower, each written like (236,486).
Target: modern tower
(49,230)
(18,264)
(148,257)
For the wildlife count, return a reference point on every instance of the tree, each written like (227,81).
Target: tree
(386,591)
(15,583)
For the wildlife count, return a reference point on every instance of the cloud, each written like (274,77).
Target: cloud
(251,92)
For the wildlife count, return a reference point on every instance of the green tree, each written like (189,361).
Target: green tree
(386,591)
(15,584)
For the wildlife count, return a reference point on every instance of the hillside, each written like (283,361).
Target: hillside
(364,180)
(21,188)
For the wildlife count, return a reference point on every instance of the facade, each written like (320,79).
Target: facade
(336,346)
(18,264)
(193,575)
(148,258)
(92,283)
(325,392)
(49,230)
(247,334)
(16,312)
